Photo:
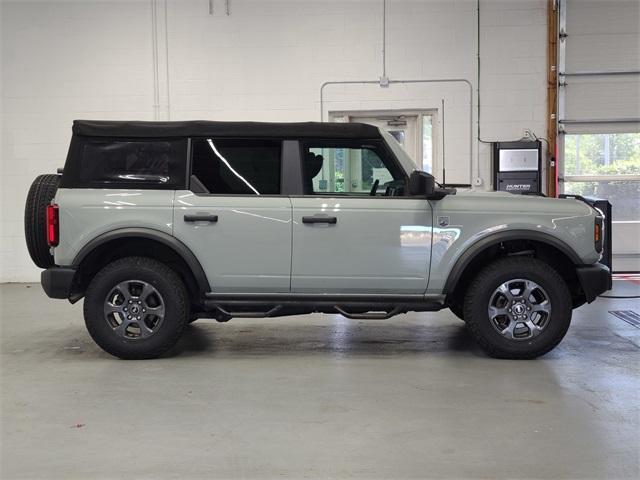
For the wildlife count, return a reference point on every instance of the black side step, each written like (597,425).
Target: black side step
(369,315)
(248,314)
(224,309)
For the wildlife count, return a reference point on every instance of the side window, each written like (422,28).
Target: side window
(350,169)
(153,163)
(244,167)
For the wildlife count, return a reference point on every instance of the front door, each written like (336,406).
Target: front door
(234,219)
(354,231)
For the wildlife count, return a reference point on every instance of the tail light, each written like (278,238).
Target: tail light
(598,234)
(53,225)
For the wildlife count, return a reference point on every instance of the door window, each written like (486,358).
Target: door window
(350,169)
(242,167)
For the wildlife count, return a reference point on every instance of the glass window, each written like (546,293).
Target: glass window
(427,144)
(132,163)
(623,195)
(602,154)
(350,169)
(605,161)
(244,167)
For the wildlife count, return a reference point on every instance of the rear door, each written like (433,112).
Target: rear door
(354,231)
(233,217)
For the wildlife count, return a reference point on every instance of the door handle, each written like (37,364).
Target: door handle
(201,218)
(319,219)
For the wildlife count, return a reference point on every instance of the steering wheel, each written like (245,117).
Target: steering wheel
(374,188)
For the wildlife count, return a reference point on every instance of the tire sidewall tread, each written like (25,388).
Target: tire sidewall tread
(42,191)
(168,284)
(483,286)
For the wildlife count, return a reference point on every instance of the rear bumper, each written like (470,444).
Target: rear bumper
(594,279)
(56,281)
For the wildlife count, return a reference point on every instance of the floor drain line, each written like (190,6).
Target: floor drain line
(629,316)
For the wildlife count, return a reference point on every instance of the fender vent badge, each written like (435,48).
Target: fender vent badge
(443,221)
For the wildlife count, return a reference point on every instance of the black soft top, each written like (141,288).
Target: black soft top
(202,128)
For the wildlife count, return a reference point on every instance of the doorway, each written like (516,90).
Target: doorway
(414,130)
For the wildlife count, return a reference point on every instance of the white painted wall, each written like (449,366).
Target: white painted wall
(265,61)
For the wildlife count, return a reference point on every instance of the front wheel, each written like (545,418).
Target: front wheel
(518,308)
(136,308)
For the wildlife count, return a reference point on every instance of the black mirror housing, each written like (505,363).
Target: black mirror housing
(421,184)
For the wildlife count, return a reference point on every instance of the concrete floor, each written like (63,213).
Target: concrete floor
(316,396)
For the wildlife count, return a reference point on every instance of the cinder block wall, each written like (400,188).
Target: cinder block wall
(264,61)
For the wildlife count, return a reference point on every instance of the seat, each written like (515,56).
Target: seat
(312,166)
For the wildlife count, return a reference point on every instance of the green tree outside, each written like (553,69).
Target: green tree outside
(615,154)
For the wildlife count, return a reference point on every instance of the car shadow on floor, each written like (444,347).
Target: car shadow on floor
(345,339)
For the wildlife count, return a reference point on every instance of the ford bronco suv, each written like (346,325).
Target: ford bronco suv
(157,224)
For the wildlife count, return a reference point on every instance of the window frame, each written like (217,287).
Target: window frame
(283,170)
(386,154)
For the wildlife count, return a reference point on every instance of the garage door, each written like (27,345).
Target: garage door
(599,113)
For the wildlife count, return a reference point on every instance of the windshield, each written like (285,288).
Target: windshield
(403,157)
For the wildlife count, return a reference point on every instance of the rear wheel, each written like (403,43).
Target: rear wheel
(42,191)
(136,308)
(518,308)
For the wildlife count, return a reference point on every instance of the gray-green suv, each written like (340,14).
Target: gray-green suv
(157,224)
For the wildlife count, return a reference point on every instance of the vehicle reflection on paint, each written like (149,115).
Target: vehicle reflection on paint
(443,240)
(415,236)
(423,236)
(263,217)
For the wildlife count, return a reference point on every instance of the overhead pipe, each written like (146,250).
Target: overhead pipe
(154,52)
(384,41)
(478,134)
(166,53)
(157,51)
(444,172)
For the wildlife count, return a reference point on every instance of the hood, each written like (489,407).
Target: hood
(523,203)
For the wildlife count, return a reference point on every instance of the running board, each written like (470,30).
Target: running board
(369,315)
(248,314)
(226,306)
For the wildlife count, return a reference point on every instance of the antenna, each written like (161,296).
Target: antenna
(444,180)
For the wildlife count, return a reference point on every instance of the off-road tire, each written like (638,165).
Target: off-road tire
(483,286)
(159,276)
(42,191)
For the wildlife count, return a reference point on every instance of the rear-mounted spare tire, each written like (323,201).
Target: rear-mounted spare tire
(42,191)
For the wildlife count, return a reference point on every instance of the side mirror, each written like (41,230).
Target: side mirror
(421,184)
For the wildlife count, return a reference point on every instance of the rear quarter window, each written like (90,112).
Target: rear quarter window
(126,163)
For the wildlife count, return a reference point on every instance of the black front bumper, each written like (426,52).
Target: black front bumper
(57,281)
(594,279)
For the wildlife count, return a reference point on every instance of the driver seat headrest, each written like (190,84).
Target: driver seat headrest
(313,164)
